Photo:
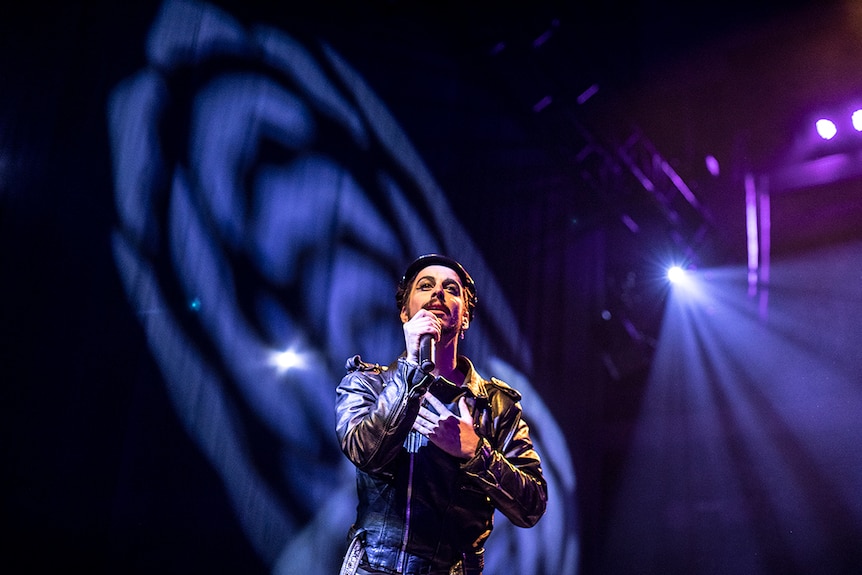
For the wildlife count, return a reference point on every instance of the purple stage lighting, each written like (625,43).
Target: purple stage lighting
(675,274)
(856,118)
(713,166)
(826,128)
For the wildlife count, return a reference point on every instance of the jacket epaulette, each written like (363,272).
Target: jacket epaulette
(507,389)
(355,363)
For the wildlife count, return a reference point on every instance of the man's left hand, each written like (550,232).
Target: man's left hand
(451,432)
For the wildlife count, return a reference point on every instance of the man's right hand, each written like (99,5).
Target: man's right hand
(423,322)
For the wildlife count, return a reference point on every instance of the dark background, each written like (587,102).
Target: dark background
(97,469)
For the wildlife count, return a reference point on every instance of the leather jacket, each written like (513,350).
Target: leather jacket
(416,502)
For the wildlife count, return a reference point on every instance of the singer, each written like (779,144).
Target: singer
(438,449)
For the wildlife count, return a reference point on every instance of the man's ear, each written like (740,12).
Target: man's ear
(465,324)
(404,316)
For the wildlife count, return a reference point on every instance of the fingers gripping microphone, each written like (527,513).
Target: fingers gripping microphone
(427,351)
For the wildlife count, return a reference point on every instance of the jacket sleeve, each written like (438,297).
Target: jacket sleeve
(510,474)
(375,412)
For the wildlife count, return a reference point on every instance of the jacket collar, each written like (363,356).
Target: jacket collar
(472,380)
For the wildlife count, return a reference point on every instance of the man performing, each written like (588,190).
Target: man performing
(437,448)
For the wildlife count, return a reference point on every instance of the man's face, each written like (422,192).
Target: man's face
(438,289)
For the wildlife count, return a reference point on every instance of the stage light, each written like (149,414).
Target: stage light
(826,128)
(675,274)
(713,166)
(856,118)
(286,360)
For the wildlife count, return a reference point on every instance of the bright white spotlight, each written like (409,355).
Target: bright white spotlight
(826,128)
(285,360)
(856,118)
(675,274)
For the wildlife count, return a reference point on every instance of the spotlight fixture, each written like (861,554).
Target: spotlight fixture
(856,118)
(826,128)
(675,274)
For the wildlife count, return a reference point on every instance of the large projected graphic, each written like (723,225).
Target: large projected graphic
(267,203)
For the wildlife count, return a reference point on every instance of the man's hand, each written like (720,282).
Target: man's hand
(451,432)
(423,322)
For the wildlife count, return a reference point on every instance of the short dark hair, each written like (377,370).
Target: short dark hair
(422,262)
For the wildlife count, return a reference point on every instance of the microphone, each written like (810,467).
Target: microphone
(427,351)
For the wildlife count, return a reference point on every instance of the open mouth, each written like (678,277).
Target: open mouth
(437,307)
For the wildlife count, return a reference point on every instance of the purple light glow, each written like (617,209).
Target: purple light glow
(751,225)
(826,128)
(856,118)
(542,104)
(713,166)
